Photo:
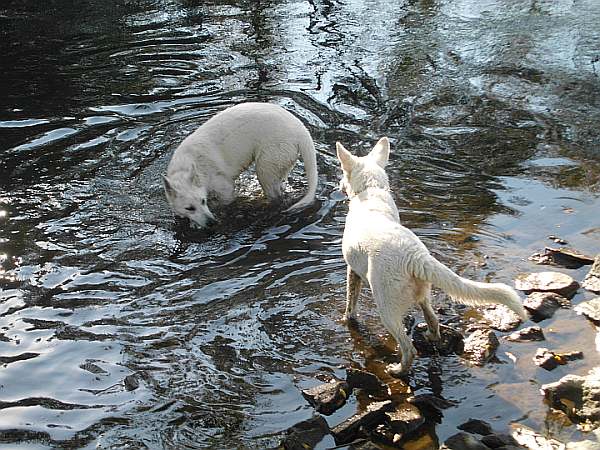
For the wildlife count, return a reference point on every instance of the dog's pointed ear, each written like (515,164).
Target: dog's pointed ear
(345,157)
(169,190)
(381,152)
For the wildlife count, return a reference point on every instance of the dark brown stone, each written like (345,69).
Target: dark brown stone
(476,426)
(463,441)
(361,379)
(328,397)
(565,257)
(557,282)
(451,341)
(405,419)
(305,434)
(498,440)
(350,428)
(549,360)
(430,406)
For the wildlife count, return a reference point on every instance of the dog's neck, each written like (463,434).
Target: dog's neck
(375,199)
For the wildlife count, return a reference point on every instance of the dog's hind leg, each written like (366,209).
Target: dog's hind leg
(424,301)
(392,309)
(272,168)
(353,285)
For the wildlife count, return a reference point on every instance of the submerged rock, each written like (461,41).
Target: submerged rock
(350,428)
(463,441)
(557,282)
(542,305)
(591,281)
(481,346)
(476,426)
(577,396)
(305,434)
(451,341)
(499,440)
(590,309)
(526,334)
(549,360)
(430,406)
(501,318)
(535,441)
(328,397)
(565,257)
(361,379)
(405,419)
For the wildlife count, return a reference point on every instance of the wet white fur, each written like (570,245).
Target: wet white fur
(398,267)
(208,161)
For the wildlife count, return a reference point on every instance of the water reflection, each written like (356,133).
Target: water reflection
(149,334)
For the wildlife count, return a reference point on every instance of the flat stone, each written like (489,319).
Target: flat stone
(361,379)
(534,333)
(498,440)
(564,257)
(557,282)
(328,397)
(549,360)
(577,396)
(535,441)
(430,406)
(501,318)
(350,428)
(590,309)
(451,341)
(463,441)
(481,346)
(476,426)
(583,445)
(591,281)
(542,305)
(305,434)
(405,419)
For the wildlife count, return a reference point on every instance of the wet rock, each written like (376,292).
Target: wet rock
(557,282)
(549,360)
(430,406)
(534,333)
(577,396)
(565,257)
(498,440)
(542,305)
(383,433)
(360,379)
(501,318)
(451,341)
(481,346)
(557,240)
(350,428)
(305,434)
(328,397)
(583,445)
(591,281)
(93,368)
(463,441)
(535,441)
(131,382)
(405,419)
(476,426)
(590,309)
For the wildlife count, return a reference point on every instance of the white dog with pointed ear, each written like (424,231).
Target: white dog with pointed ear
(393,261)
(208,162)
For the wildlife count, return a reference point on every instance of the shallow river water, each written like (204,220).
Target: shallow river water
(121,328)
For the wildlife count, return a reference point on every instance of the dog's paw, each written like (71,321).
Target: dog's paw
(397,370)
(432,336)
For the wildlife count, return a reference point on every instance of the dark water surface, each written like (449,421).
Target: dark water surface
(120,328)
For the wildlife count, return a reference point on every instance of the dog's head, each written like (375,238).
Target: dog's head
(364,172)
(188,201)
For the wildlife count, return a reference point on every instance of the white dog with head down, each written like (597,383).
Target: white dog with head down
(208,161)
(392,259)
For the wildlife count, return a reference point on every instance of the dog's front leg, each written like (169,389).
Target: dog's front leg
(353,285)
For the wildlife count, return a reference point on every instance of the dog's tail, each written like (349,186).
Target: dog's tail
(469,292)
(307,152)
